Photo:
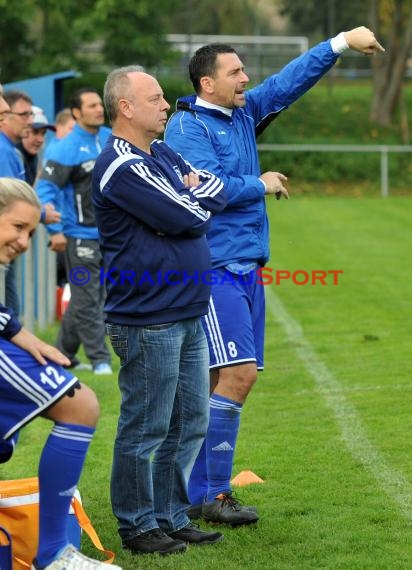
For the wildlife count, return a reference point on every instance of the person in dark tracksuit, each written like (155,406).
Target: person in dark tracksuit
(67,172)
(153,211)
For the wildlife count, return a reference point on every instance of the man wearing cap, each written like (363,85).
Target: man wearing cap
(32,143)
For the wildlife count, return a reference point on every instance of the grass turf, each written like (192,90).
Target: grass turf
(328,424)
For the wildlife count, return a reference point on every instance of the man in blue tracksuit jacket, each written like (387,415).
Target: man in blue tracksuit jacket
(66,182)
(216,129)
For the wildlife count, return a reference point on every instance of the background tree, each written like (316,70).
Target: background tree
(131,31)
(307,19)
(58,35)
(41,36)
(44,36)
(393,20)
(16,48)
(227,17)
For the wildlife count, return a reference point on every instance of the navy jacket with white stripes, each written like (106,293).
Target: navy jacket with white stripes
(9,323)
(152,233)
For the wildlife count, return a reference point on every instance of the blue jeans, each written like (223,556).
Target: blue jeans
(164,384)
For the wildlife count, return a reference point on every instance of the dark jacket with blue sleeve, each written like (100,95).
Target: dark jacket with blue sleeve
(152,233)
(66,178)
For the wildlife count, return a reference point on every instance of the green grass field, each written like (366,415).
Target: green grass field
(328,425)
(339,115)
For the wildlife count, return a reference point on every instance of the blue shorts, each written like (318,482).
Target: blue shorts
(27,389)
(235,322)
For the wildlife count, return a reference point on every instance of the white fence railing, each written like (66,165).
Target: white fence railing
(36,270)
(384,151)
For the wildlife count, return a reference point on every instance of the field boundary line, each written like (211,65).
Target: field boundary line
(392,481)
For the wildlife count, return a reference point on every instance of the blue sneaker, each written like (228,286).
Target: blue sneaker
(103,369)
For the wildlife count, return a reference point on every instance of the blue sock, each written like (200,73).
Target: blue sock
(220,443)
(197,486)
(60,467)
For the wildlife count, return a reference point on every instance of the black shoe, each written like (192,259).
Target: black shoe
(194,535)
(73,362)
(228,510)
(194,512)
(154,541)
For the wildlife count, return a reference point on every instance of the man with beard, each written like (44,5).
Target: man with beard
(216,129)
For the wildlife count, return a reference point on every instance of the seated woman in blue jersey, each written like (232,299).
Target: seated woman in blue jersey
(34,383)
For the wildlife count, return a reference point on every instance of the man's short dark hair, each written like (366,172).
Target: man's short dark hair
(76,98)
(14,95)
(203,62)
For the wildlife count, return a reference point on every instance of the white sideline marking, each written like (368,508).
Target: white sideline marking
(365,388)
(393,482)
